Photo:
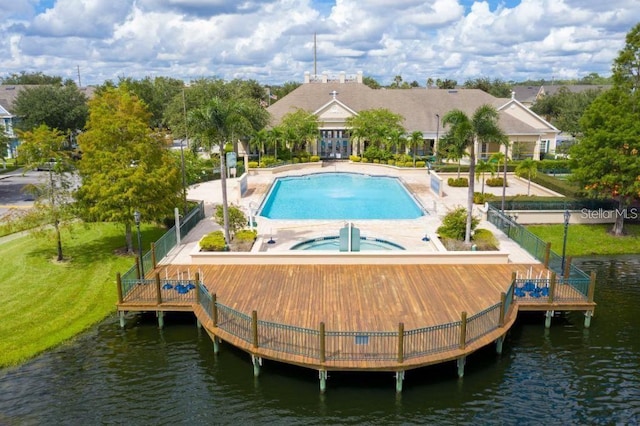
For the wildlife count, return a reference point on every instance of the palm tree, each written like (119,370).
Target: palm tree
(276,136)
(528,168)
(484,167)
(219,121)
(464,131)
(452,149)
(258,141)
(499,156)
(415,138)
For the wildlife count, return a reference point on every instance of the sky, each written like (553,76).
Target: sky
(272,41)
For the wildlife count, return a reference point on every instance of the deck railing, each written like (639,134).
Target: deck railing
(332,345)
(159,251)
(572,275)
(549,290)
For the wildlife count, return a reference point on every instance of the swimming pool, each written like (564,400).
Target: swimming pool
(333,243)
(339,196)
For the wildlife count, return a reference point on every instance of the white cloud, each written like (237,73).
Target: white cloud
(271,40)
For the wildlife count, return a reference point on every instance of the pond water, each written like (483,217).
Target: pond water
(142,375)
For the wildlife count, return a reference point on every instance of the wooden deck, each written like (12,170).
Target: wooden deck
(347,298)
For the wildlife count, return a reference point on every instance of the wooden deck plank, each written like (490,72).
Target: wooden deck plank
(349,298)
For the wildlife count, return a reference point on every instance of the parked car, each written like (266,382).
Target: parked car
(48,165)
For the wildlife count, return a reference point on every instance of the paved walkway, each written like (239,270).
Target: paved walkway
(408,233)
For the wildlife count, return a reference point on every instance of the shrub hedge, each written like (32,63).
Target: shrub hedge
(496,181)
(458,182)
(213,241)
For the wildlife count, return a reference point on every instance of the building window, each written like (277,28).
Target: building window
(544,146)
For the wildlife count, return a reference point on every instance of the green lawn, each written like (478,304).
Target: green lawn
(584,240)
(44,302)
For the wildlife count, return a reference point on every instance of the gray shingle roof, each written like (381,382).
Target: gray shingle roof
(418,106)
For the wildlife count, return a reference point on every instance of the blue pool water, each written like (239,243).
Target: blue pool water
(339,196)
(333,243)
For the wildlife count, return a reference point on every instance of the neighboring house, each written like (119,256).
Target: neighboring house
(333,100)
(7,120)
(528,95)
(8,95)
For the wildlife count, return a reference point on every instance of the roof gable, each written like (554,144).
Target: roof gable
(334,111)
(516,109)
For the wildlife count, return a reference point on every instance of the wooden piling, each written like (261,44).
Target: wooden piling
(503,304)
(254,328)
(119,284)
(323,347)
(463,330)
(547,254)
(552,287)
(158,289)
(400,343)
(214,309)
(153,255)
(592,286)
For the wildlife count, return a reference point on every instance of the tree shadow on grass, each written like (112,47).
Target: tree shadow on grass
(108,243)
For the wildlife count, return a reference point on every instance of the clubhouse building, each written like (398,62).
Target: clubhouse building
(334,99)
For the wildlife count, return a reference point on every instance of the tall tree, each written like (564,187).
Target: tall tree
(156,93)
(31,78)
(4,148)
(480,128)
(220,121)
(58,107)
(53,198)
(497,87)
(607,161)
(125,166)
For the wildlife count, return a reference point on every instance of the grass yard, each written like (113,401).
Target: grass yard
(584,240)
(44,302)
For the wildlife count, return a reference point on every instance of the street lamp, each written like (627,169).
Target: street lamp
(567,216)
(435,146)
(136,219)
(186,137)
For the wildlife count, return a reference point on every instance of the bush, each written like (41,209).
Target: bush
(245,235)
(295,160)
(563,187)
(376,161)
(391,162)
(213,241)
(267,161)
(495,182)
(454,224)
(365,160)
(421,164)
(462,182)
(485,240)
(253,164)
(354,158)
(480,198)
(314,159)
(237,219)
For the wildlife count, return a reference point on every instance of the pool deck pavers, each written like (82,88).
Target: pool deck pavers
(408,233)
